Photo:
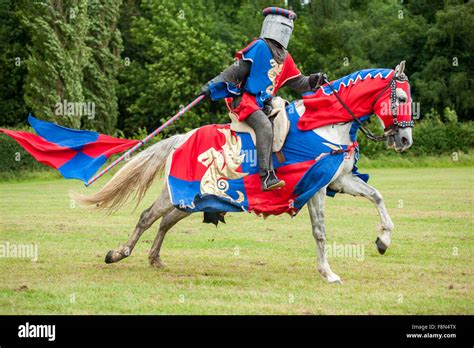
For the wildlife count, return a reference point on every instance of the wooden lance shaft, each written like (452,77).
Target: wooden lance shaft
(145,140)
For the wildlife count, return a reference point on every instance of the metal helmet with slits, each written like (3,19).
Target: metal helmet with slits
(278,25)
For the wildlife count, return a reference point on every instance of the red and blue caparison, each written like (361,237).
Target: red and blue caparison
(203,177)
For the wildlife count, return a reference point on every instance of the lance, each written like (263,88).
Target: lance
(145,140)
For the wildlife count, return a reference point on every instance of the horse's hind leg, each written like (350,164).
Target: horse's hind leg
(161,206)
(168,221)
(316,213)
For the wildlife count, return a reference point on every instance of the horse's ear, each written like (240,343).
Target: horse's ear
(399,70)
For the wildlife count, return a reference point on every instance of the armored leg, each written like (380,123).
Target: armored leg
(264,138)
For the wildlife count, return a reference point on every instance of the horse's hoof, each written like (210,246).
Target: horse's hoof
(381,247)
(329,276)
(157,263)
(109,257)
(334,279)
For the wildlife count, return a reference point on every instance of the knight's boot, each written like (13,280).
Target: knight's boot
(270,181)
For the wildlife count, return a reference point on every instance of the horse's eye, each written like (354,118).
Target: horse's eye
(401,95)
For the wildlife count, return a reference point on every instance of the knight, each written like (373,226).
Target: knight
(250,83)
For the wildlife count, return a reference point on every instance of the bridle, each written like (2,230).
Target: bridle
(390,130)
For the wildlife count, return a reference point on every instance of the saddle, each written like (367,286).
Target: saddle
(281,126)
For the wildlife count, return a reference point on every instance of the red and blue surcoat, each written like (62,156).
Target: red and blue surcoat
(266,77)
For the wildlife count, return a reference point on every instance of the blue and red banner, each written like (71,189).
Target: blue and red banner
(76,154)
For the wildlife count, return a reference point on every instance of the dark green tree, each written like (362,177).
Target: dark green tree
(177,54)
(99,79)
(73,58)
(13,41)
(57,56)
(446,77)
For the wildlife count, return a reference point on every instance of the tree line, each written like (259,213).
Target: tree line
(138,62)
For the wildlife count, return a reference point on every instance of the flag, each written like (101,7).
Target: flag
(76,154)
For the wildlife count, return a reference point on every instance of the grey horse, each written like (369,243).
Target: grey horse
(138,174)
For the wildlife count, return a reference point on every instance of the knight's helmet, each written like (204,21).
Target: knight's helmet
(278,25)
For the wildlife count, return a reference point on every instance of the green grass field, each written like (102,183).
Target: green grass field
(249,265)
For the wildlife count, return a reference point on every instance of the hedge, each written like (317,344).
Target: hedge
(431,137)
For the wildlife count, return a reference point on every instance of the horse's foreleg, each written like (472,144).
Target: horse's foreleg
(316,213)
(161,206)
(355,186)
(168,221)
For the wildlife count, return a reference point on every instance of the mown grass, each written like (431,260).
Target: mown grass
(249,265)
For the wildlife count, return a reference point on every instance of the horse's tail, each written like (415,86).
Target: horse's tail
(134,178)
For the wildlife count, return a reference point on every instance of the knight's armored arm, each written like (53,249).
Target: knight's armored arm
(235,73)
(303,84)
(299,84)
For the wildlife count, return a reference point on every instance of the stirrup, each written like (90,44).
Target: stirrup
(270,181)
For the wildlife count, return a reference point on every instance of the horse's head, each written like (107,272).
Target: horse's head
(393,107)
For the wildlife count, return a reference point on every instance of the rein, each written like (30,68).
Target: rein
(365,131)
